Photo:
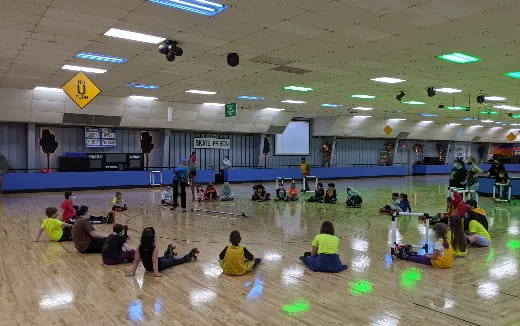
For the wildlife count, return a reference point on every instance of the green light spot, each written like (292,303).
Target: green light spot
(489,112)
(414,103)
(458,57)
(515,116)
(456,108)
(298,306)
(514,74)
(491,255)
(513,244)
(410,277)
(361,287)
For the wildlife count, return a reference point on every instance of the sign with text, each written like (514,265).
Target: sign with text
(81,89)
(100,137)
(217,143)
(230,110)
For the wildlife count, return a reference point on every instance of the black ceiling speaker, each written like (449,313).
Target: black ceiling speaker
(170,49)
(400,96)
(233,59)
(430,91)
(480,99)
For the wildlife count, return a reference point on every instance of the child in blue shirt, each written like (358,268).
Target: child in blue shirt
(404,204)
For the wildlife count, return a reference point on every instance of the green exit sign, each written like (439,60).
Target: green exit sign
(231,110)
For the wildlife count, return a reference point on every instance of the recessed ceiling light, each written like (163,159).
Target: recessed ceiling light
(273,109)
(362,96)
(331,105)
(494,98)
(388,80)
(202,7)
(214,104)
(139,97)
(426,121)
(361,108)
(458,57)
(136,85)
(456,108)
(489,112)
(448,90)
(298,88)
(428,115)
(469,119)
(101,57)
(514,74)
(253,98)
(487,121)
(397,119)
(414,103)
(196,91)
(294,102)
(453,124)
(507,107)
(133,36)
(48,89)
(84,69)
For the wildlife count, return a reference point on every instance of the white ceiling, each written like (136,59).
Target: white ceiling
(343,44)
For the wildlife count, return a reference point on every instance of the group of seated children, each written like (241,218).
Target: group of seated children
(208,194)
(399,203)
(286,195)
(321,196)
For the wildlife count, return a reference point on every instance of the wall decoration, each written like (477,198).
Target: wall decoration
(326,152)
(146,146)
(49,145)
(100,137)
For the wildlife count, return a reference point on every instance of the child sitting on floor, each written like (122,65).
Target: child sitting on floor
(456,236)
(114,250)
(292,193)
(200,193)
(236,259)
(260,194)
(226,192)
(319,195)
(394,206)
(331,196)
(404,204)
(149,255)
(353,198)
(56,230)
(442,250)
(281,193)
(211,193)
(118,204)
(324,255)
(67,207)
(167,196)
(476,225)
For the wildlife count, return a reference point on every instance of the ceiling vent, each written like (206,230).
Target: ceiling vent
(403,135)
(291,70)
(91,120)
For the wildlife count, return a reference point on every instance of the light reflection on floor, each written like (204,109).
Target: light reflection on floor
(56,300)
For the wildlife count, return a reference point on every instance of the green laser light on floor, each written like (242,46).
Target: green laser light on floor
(361,287)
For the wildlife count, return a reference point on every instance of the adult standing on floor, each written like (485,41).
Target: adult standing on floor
(180,180)
(192,173)
(472,177)
(458,174)
(306,171)
(86,238)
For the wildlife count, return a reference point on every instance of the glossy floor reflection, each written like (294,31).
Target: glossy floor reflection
(50,283)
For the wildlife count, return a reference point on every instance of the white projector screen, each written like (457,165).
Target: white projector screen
(294,140)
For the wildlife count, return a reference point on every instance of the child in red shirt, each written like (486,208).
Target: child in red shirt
(67,207)
(292,193)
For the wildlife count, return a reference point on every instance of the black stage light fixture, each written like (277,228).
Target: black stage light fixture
(170,49)
(233,59)
(480,99)
(400,96)
(430,91)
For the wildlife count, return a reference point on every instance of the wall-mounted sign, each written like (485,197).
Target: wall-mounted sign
(100,137)
(217,143)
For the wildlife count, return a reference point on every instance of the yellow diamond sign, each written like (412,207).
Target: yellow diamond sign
(388,130)
(511,136)
(81,89)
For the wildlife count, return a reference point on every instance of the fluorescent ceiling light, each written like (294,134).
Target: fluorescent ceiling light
(477,126)
(453,124)
(214,104)
(448,90)
(362,116)
(414,103)
(254,98)
(514,74)
(388,80)
(48,89)
(139,97)
(489,112)
(196,91)
(202,7)
(361,108)
(426,121)
(298,88)
(487,121)
(136,85)
(428,115)
(507,107)
(458,57)
(84,69)
(515,124)
(397,119)
(331,105)
(133,36)
(294,102)
(101,57)
(362,96)
(273,109)
(456,108)
(494,98)
(469,119)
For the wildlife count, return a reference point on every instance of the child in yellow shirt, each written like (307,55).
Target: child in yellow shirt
(236,259)
(324,256)
(56,230)
(118,204)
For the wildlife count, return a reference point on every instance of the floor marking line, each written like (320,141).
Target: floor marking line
(441,312)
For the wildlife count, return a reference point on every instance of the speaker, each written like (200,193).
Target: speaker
(233,59)
(480,99)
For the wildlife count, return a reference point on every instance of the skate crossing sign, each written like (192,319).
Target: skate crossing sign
(81,89)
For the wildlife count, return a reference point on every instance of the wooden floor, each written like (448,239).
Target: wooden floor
(51,284)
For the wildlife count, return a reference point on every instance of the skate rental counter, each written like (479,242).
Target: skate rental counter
(252,175)
(20,182)
(486,184)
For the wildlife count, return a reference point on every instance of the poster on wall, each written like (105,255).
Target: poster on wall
(213,143)
(462,151)
(100,137)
